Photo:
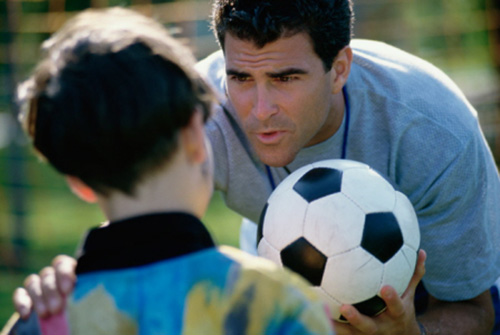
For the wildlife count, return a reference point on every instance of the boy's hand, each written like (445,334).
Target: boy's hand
(398,318)
(46,292)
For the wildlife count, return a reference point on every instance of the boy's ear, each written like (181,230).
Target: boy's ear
(340,69)
(193,138)
(81,189)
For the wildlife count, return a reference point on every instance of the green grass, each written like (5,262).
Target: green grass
(56,219)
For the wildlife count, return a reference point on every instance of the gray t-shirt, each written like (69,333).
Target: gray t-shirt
(413,125)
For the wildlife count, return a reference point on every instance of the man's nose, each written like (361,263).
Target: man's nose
(264,105)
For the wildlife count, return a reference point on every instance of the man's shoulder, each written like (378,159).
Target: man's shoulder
(380,56)
(381,71)
(369,45)
(213,69)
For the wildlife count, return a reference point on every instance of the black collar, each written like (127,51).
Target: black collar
(142,240)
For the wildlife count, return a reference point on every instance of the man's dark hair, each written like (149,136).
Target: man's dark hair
(108,99)
(327,22)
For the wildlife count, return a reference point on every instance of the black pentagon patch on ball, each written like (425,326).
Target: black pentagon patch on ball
(382,235)
(318,182)
(260,227)
(370,307)
(303,258)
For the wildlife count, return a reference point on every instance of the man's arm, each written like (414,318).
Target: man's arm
(474,316)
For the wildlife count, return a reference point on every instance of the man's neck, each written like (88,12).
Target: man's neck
(333,122)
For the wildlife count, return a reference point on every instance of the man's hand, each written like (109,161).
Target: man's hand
(46,292)
(398,318)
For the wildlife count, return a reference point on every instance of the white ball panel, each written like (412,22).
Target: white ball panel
(353,277)
(397,272)
(264,249)
(408,220)
(284,220)
(340,164)
(370,191)
(411,257)
(334,224)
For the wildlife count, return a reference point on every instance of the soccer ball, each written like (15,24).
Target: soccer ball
(345,229)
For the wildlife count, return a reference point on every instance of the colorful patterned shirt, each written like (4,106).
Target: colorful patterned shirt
(162,274)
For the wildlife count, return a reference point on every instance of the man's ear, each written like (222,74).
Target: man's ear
(81,189)
(340,69)
(193,138)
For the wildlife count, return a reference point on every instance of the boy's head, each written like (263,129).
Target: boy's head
(327,22)
(109,97)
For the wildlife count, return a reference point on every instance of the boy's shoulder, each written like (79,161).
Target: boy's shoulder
(282,284)
(271,294)
(253,266)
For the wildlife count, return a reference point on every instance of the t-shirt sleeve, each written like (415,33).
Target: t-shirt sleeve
(456,200)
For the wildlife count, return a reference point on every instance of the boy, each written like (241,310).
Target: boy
(115,106)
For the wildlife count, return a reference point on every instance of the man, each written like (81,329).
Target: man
(299,91)
(116,107)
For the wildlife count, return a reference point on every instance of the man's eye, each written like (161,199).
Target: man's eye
(285,79)
(240,79)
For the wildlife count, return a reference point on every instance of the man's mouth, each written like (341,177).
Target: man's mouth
(270,137)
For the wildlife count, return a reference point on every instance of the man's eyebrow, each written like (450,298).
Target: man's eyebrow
(286,72)
(283,73)
(231,72)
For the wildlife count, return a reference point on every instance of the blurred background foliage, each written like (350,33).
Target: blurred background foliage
(40,218)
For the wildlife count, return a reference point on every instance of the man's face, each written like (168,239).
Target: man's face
(282,96)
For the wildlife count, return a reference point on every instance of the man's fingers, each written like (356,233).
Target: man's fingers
(22,302)
(342,328)
(418,274)
(50,292)
(395,306)
(33,285)
(45,293)
(360,322)
(65,273)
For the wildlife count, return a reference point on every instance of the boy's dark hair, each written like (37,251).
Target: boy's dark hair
(109,97)
(327,22)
